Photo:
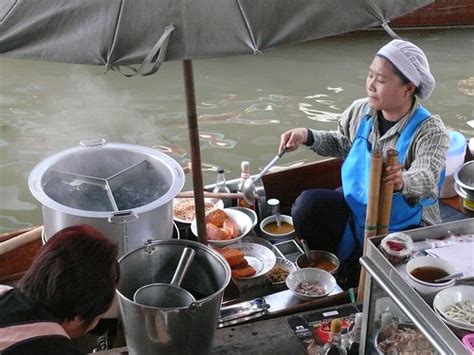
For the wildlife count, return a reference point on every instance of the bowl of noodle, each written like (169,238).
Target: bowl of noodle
(455,306)
(184,211)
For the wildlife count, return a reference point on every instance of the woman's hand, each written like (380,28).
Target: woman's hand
(394,176)
(292,139)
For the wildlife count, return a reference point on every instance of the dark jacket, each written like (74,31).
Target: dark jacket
(28,328)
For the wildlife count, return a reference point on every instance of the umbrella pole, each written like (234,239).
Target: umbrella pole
(376,163)
(193,132)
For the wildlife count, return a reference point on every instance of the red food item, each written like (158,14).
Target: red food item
(233,256)
(243,271)
(216,233)
(231,228)
(395,246)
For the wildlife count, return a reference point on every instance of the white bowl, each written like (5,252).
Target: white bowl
(276,238)
(215,202)
(241,219)
(427,289)
(249,212)
(447,298)
(323,278)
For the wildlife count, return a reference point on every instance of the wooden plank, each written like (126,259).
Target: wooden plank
(286,185)
(440,13)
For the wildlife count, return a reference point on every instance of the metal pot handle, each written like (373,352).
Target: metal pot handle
(123,217)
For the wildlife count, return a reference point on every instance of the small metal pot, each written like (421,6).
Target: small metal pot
(319,257)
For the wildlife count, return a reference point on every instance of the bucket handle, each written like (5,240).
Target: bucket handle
(92,143)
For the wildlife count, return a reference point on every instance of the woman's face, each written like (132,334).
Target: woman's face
(385,89)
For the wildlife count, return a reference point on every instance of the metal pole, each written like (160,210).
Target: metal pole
(193,132)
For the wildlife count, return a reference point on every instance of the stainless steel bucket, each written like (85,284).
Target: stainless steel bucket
(186,330)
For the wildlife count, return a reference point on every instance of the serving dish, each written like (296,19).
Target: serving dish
(258,256)
(241,219)
(310,275)
(181,204)
(448,297)
(285,264)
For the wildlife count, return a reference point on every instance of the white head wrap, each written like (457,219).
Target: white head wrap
(412,62)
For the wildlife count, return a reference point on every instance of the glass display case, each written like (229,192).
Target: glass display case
(388,296)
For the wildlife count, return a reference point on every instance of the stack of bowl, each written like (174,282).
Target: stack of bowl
(464,184)
(455,307)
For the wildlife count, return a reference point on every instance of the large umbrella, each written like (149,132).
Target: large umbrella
(141,34)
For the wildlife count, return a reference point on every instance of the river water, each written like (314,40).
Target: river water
(244,104)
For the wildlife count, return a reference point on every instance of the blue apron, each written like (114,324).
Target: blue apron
(355,182)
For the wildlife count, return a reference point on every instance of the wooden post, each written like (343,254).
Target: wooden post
(386,196)
(193,131)
(371,217)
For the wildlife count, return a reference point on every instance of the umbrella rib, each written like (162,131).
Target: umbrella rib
(115,35)
(254,44)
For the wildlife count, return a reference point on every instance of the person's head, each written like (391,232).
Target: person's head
(74,276)
(398,71)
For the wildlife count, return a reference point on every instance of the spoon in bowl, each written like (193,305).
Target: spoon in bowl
(306,249)
(449,277)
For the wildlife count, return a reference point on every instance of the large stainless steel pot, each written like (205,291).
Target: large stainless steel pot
(181,330)
(125,191)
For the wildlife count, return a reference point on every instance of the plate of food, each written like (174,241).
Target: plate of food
(249,260)
(183,208)
(397,338)
(281,270)
(224,226)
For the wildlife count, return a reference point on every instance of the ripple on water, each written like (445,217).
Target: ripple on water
(466,86)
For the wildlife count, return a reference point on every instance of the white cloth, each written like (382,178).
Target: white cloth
(412,62)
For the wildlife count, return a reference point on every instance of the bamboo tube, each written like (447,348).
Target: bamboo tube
(371,217)
(386,196)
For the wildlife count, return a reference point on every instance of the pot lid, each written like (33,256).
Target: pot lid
(106,178)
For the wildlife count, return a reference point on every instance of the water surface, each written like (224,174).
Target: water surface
(244,104)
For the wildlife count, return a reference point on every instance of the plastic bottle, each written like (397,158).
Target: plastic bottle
(354,334)
(334,346)
(244,174)
(222,187)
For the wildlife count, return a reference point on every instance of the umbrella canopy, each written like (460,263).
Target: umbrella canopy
(145,33)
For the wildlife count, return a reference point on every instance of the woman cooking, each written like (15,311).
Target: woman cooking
(390,117)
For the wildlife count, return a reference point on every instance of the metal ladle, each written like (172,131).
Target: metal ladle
(248,187)
(161,295)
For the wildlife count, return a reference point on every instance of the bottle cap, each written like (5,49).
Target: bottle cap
(273,202)
(220,170)
(336,326)
(244,166)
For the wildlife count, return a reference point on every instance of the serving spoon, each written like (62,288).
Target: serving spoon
(306,249)
(161,295)
(248,186)
(450,277)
